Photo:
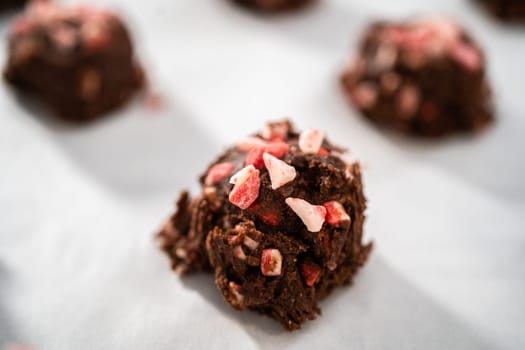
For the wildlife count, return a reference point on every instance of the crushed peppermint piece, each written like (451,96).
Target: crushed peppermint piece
(181,253)
(94,36)
(239,253)
(310,273)
(364,95)
(218,172)
(408,101)
(250,243)
(235,290)
(246,187)
(310,141)
(323,152)
(466,55)
(255,155)
(280,172)
(385,57)
(271,262)
(313,216)
(248,143)
(335,213)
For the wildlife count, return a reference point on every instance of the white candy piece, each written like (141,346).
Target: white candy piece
(234,288)
(280,172)
(271,262)
(250,243)
(242,174)
(311,140)
(313,216)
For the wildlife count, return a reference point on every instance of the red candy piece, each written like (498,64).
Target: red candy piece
(255,157)
(270,218)
(335,213)
(266,214)
(246,188)
(277,149)
(310,273)
(218,172)
(323,152)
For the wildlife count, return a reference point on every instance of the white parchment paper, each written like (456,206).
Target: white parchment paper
(79,268)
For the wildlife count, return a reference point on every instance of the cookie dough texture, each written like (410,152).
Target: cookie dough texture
(279,222)
(77,60)
(273,5)
(507,10)
(426,78)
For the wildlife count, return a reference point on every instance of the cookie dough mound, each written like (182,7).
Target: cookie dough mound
(273,5)
(507,10)
(424,78)
(77,60)
(279,222)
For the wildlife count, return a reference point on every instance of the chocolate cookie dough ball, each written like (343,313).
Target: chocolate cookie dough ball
(509,10)
(424,78)
(77,60)
(279,222)
(7,4)
(273,5)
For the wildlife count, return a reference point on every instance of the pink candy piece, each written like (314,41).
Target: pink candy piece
(239,253)
(310,273)
(280,172)
(335,213)
(246,187)
(271,262)
(277,149)
(250,243)
(432,35)
(466,55)
(248,143)
(313,216)
(310,141)
(364,95)
(235,289)
(94,36)
(408,101)
(64,37)
(218,172)
(20,25)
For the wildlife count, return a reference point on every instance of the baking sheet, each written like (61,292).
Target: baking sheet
(79,268)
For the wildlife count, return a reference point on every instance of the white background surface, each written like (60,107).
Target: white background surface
(79,268)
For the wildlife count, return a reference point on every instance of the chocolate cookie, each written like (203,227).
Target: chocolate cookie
(508,10)
(424,78)
(273,5)
(77,60)
(7,4)
(279,221)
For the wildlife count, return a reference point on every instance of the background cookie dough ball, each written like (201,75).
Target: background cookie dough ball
(279,221)
(77,60)
(273,5)
(7,4)
(424,78)
(511,10)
